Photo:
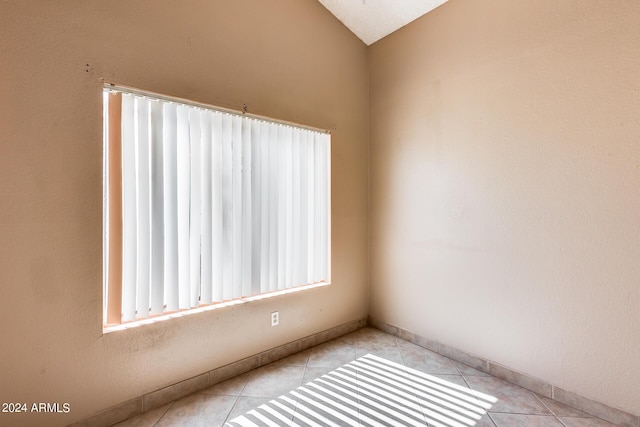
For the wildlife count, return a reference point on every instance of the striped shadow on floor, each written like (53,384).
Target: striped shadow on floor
(372,391)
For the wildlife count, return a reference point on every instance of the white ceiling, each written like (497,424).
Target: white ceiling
(372,20)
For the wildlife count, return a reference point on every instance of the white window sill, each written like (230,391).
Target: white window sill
(161,318)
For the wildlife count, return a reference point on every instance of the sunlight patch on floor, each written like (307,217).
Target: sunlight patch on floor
(372,391)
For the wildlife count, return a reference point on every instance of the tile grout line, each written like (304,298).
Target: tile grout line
(238,396)
(226,419)
(404,363)
(535,396)
(164,413)
(304,372)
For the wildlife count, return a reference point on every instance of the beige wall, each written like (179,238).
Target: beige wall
(288,59)
(505,187)
(505,178)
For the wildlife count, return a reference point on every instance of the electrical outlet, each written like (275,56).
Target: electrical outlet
(275,318)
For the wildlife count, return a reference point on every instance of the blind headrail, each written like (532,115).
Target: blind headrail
(154,95)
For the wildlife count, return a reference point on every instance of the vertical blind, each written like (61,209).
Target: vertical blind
(215,206)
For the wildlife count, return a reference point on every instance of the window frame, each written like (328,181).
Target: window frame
(113,210)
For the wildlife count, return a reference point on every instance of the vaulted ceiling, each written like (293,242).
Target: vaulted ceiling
(372,20)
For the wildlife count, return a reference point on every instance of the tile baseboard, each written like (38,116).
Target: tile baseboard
(543,388)
(160,397)
(592,407)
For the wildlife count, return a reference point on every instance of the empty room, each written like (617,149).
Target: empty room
(320,213)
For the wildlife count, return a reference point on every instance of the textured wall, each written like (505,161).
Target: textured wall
(288,59)
(505,187)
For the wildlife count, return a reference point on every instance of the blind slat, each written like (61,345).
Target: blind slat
(227,208)
(265,189)
(195,193)
(113,228)
(273,208)
(246,222)
(282,207)
(236,209)
(129,208)
(218,237)
(183,187)
(157,208)
(296,201)
(304,208)
(170,145)
(143,179)
(206,196)
(311,211)
(256,208)
(288,213)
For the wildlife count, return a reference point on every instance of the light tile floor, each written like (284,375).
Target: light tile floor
(515,406)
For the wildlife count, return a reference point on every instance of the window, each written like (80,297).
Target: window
(204,205)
